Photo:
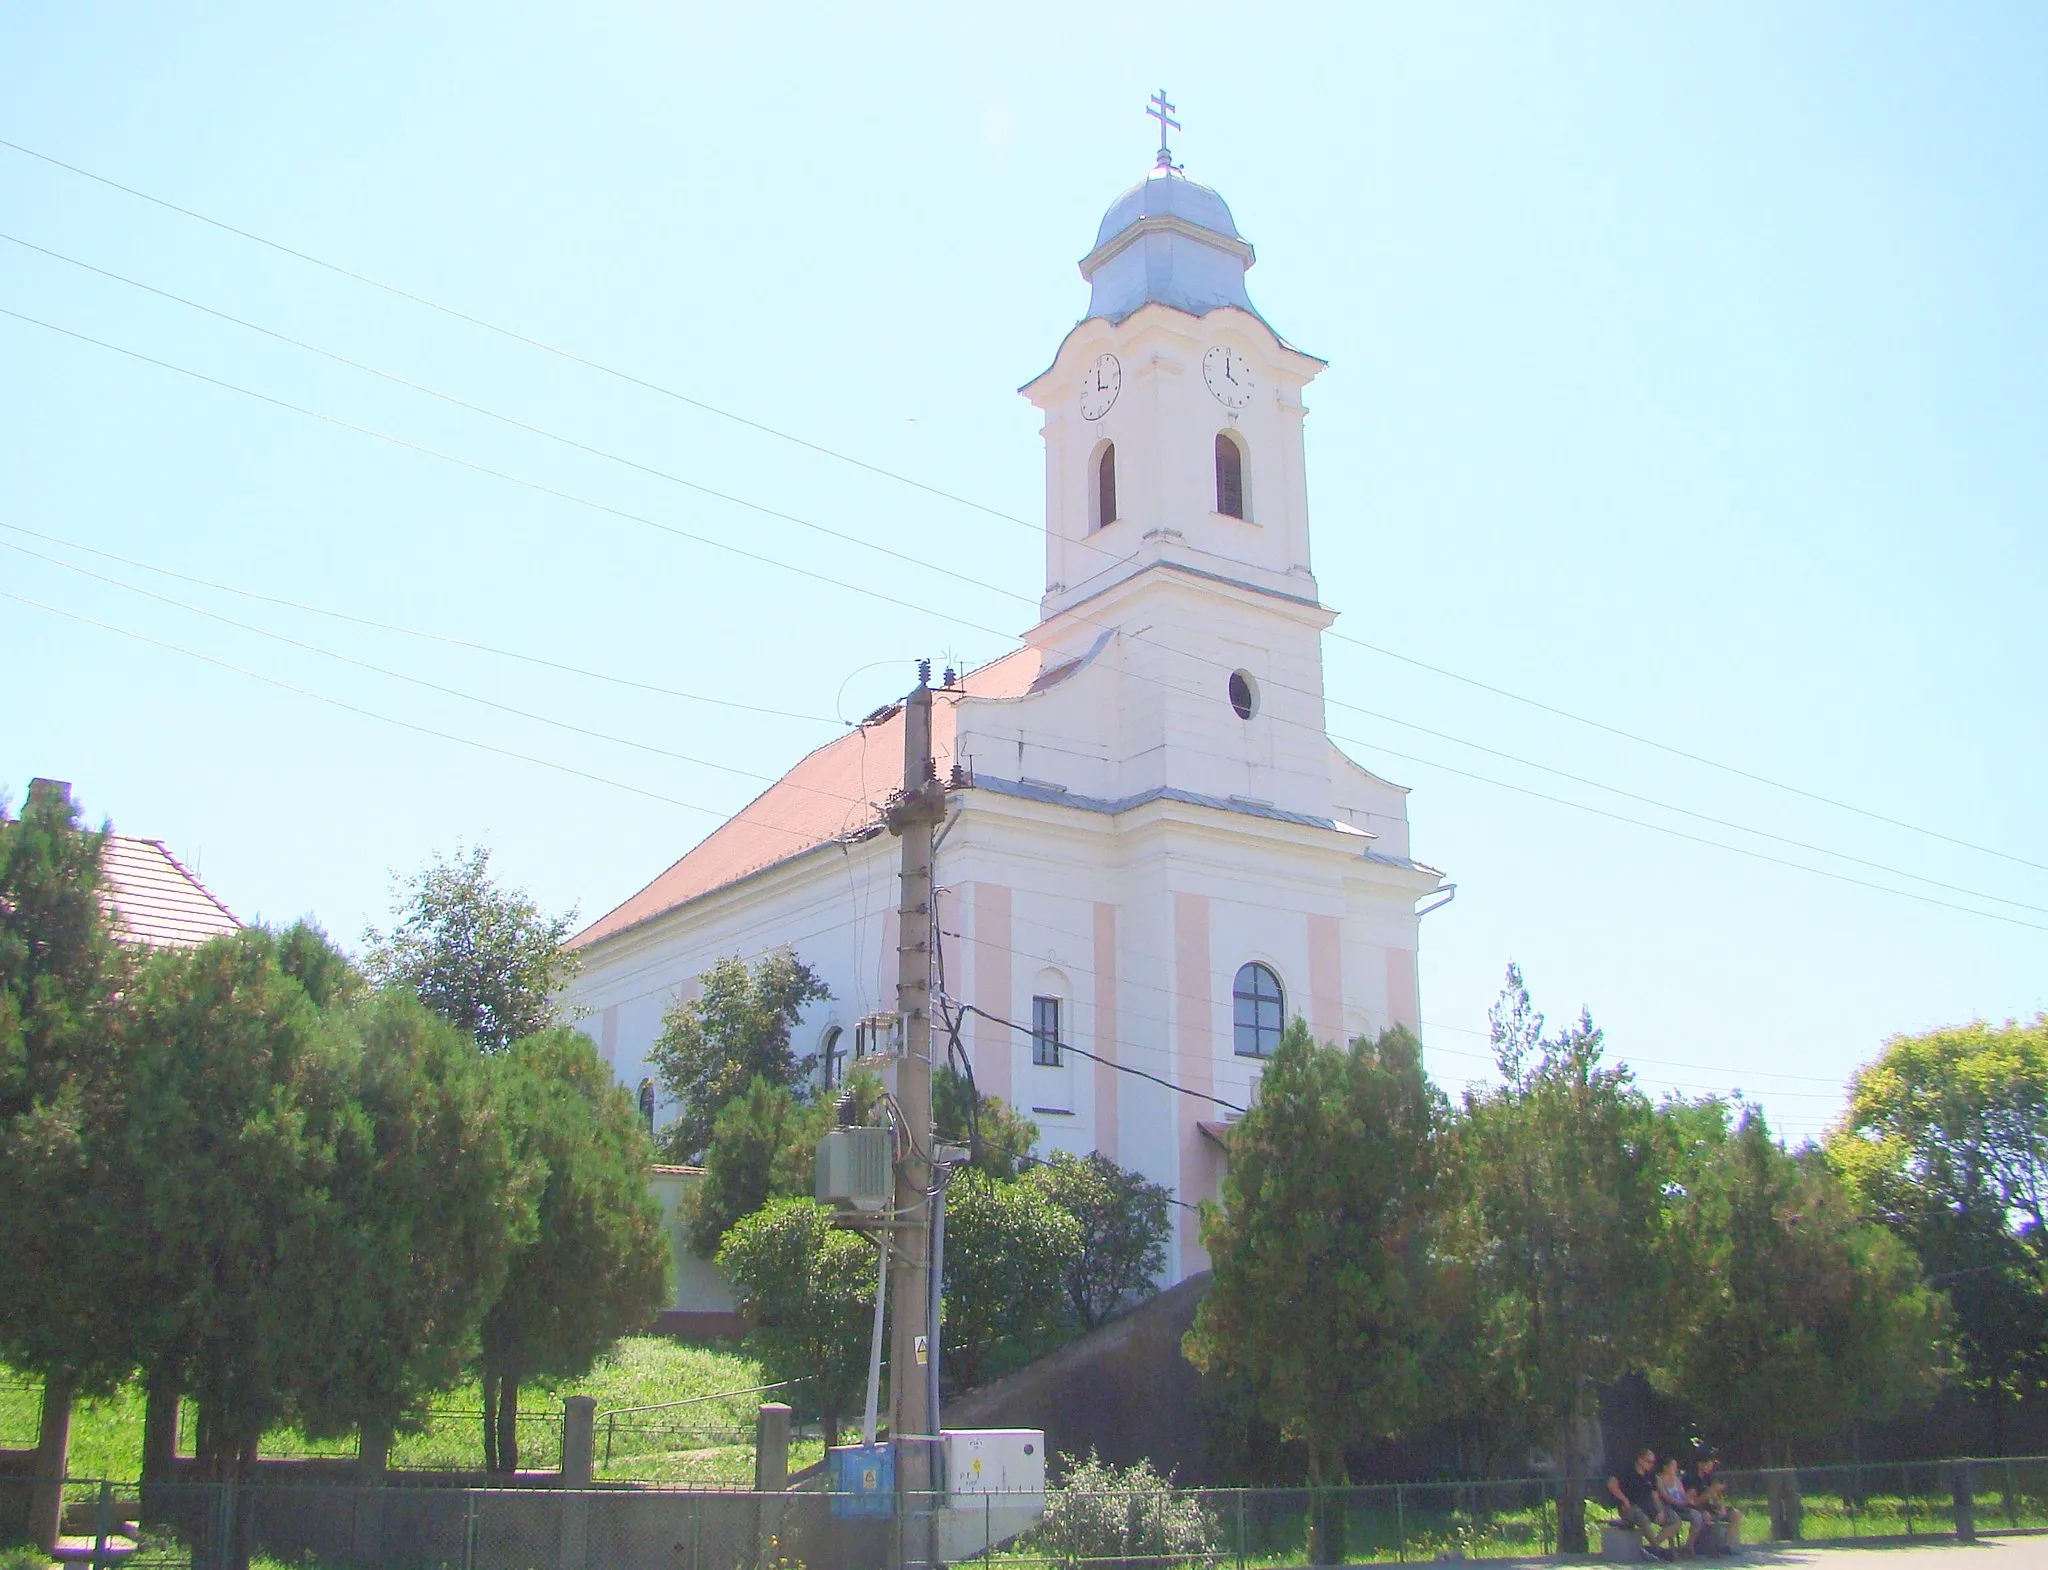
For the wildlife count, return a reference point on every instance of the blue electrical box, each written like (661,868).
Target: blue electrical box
(863,1481)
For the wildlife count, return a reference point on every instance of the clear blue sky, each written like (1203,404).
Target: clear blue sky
(1688,371)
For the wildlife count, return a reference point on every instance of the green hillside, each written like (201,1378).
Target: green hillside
(709,1441)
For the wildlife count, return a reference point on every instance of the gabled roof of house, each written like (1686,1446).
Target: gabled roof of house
(154,900)
(832,794)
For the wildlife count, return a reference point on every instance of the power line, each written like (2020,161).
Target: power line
(389,719)
(1185,654)
(415,632)
(963,501)
(1121,1068)
(1690,757)
(1697,839)
(523,425)
(1122,980)
(421,681)
(482,468)
(518,337)
(1666,806)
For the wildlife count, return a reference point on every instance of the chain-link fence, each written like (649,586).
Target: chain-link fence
(312,1524)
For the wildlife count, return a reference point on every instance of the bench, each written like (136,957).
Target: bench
(1621,1545)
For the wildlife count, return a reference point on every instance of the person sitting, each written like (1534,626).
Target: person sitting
(1675,1511)
(1709,1496)
(1635,1498)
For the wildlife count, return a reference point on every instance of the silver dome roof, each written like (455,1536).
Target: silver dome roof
(1167,241)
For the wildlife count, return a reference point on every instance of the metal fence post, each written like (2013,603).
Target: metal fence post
(1240,1530)
(469,1529)
(1400,1524)
(102,1524)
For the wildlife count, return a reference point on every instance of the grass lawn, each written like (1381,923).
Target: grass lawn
(707,1442)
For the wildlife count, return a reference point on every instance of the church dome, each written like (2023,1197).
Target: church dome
(1167,241)
(1167,196)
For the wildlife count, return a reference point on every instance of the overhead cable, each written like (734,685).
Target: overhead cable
(981,507)
(431,686)
(390,719)
(805,572)
(1121,1068)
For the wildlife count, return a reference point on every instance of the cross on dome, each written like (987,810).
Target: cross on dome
(1162,111)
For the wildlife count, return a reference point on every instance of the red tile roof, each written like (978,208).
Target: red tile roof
(834,792)
(154,900)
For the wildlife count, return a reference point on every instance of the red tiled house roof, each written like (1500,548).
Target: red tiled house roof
(154,900)
(831,793)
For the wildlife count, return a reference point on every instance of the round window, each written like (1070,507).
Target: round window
(1244,694)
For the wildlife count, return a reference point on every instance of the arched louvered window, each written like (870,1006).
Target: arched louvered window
(1258,1010)
(831,1055)
(1105,486)
(1229,476)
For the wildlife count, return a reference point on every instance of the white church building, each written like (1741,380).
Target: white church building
(1152,851)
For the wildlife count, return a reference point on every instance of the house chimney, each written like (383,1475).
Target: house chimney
(58,791)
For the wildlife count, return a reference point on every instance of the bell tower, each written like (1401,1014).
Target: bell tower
(1176,500)
(1173,412)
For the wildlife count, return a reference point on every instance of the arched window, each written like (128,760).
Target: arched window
(1229,476)
(831,1054)
(647,1104)
(1105,486)
(1259,1010)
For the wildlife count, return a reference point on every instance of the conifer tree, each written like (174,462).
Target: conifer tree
(596,1267)
(1321,1249)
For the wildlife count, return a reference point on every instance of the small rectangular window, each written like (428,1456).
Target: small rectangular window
(1045,1032)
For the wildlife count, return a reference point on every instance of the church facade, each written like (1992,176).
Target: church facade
(1152,852)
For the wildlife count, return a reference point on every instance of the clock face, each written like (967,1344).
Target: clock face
(1229,375)
(1100,384)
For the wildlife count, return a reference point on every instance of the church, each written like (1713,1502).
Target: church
(1153,857)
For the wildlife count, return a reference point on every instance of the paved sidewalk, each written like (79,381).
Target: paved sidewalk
(1990,1553)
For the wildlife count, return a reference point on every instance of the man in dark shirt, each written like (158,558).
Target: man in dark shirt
(1709,1496)
(1635,1493)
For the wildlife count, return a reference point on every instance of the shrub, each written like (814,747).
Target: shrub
(1100,1513)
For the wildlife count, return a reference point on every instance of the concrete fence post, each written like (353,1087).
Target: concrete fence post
(373,1457)
(771,1476)
(1962,1483)
(53,1461)
(1781,1489)
(579,1441)
(771,1448)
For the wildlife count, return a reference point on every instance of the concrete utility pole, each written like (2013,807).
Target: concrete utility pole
(914,816)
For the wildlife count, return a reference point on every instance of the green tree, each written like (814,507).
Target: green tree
(809,1290)
(764,1146)
(1561,1232)
(60,975)
(999,1138)
(1122,1217)
(736,1030)
(484,958)
(597,1265)
(1321,1248)
(1946,1139)
(1006,1244)
(237,1104)
(1801,1316)
(432,1206)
